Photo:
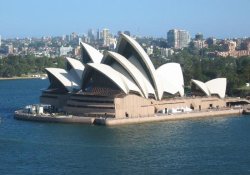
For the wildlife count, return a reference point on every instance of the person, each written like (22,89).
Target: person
(126,114)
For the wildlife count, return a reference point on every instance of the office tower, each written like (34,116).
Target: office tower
(119,33)
(98,35)
(105,36)
(63,37)
(68,38)
(91,35)
(178,38)
(211,41)
(74,36)
(127,32)
(199,36)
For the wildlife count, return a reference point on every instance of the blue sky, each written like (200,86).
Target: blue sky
(218,18)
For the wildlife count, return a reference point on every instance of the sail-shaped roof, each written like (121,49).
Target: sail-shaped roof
(116,77)
(144,85)
(131,50)
(90,54)
(75,67)
(217,86)
(202,86)
(171,78)
(63,77)
(213,87)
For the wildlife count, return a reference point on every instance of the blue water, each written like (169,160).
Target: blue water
(205,146)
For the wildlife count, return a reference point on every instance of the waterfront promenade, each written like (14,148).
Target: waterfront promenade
(123,121)
(179,116)
(37,76)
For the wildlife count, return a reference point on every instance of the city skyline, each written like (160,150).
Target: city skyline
(151,18)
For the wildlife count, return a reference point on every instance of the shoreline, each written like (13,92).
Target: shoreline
(19,115)
(175,117)
(18,78)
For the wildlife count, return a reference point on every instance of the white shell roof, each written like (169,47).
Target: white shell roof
(119,79)
(64,77)
(145,58)
(217,86)
(137,76)
(93,53)
(77,66)
(170,88)
(171,78)
(136,73)
(202,86)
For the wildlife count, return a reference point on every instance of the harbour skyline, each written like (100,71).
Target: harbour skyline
(124,87)
(151,18)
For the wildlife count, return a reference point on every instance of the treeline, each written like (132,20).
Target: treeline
(196,66)
(20,66)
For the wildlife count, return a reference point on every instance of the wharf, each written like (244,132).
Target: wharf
(124,121)
(165,117)
(20,115)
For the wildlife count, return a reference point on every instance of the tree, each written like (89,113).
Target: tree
(18,66)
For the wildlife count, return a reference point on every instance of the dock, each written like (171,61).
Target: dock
(161,118)
(19,115)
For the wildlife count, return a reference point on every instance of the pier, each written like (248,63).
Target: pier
(20,115)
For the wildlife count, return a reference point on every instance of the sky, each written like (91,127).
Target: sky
(36,18)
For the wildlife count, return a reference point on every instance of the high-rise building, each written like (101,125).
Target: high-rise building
(199,36)
(63,37)
(98,35)
(198,41)
(105,35)
(73,35)
(91,35)
(178,38)
(211,41)
(119,33)
(127,32)
(172,38)
(68,38)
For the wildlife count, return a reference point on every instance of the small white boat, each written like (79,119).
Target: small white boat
(43,78)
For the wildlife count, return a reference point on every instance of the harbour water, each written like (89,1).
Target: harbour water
(218,145)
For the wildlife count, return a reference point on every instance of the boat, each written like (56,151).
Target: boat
(43,78)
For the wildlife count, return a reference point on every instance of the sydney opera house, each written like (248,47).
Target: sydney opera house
(124,84)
